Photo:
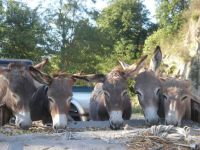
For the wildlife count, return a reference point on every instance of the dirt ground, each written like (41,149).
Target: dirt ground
(93,135)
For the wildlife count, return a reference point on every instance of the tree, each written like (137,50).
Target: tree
(65,19)
(22,32)
(87,50)
(169,13)
(79,42)
(127,23)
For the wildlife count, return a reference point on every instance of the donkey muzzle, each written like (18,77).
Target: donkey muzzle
(60,121)
(116,120)
(23,120)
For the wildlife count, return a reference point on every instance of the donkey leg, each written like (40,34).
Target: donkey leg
(93,112)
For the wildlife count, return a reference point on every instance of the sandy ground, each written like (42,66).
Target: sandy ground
(90,135)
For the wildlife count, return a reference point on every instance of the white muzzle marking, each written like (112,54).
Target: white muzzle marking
(151,114)
(171,117)
(60,121)
(23,118)
(116,117)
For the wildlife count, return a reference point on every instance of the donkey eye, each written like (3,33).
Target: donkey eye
(69,100)
(51,100)
(16,97)
(106,94)
(165,97)
(124,93)
(158,91)
(139,94)
(183,98)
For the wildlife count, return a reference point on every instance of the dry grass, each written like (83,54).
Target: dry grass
(151,142)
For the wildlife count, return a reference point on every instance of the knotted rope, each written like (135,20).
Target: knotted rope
(170,132)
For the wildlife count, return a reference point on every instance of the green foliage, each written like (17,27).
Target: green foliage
(66,33)
(22,33)
(80,44)
(171,18)
(155,39)
(169,13)
(126,22)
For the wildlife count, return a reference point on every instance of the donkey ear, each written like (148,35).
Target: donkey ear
(40,76)
(91,77)
(156,60)
(134,69)
(41,65)
(124,65)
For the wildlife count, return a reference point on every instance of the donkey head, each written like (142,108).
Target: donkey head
(177,96)
(115,91)
(18,88)
(59,94)
(148,87)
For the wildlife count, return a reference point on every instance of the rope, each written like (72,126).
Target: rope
(170,132)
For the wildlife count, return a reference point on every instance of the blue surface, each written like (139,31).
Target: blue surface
(82,89)
(5,62)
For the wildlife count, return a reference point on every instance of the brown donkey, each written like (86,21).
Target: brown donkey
(177,100)
(16,90)
(148,89)
(58,97)
(110,99)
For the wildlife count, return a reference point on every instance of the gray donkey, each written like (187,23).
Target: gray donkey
(110,99)
(148,87)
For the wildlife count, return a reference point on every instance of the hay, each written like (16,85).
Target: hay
(163,137)
(148,141)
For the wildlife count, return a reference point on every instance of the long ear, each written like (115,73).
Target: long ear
(133,69)
(125,65)
(62,75)
(156,60)
(40,76)
(41,65)
(91,77)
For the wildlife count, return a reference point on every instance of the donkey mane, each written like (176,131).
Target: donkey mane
(115,75)
(118,68)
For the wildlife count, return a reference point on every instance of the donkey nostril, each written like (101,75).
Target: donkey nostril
(24,126)
(55,127)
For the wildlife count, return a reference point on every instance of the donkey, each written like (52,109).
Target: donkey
(16,90)
(56,104)
(177,100)
(110,99)
(148,87)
